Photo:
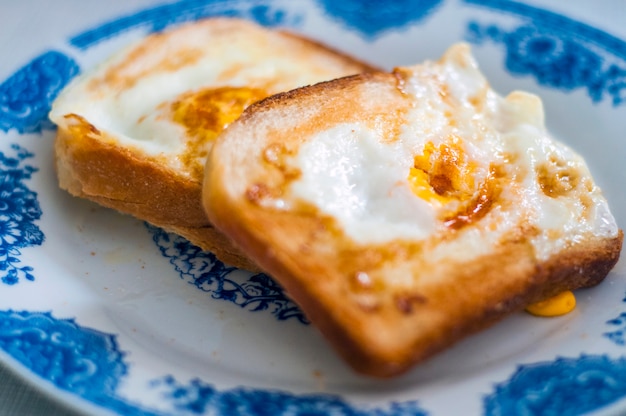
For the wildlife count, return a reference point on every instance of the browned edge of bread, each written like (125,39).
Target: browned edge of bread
(92,167)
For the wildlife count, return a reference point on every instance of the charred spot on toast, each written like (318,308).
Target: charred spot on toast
(407,302)
(557,177)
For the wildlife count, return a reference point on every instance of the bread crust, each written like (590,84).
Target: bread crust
(380,330)
(95,165)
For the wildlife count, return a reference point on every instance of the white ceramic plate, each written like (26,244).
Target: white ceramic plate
(110,315)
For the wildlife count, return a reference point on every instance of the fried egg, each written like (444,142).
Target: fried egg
(467,167)
(170,94)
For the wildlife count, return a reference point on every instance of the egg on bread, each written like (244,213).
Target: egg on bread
(134,132)
(404,211)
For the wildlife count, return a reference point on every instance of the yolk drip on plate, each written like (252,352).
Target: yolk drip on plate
(206,113)
(558,305)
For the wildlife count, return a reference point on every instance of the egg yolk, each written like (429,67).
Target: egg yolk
(558,305)
(441,175)
(206,113)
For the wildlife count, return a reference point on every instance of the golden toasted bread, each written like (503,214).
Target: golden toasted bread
(404,211)
(134,132)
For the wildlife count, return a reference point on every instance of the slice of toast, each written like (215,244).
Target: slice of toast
(134,132)
(404,211)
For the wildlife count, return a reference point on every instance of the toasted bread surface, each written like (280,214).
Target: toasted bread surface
(492,224)
(134,132)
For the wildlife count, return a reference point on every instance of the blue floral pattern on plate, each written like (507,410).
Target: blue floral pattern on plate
(90,364)
(26,96)
(84,361)
(565,386)
(19,209)
(256,292)
(557,51)
(372,18)
(197,397)
(158,18)
(617,334)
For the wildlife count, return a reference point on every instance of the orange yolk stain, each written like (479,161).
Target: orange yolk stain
(442,174)
(205,114)
(558,305)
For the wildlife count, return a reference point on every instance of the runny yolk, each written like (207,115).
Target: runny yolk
(558,305)
(206,113)
(442,174)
